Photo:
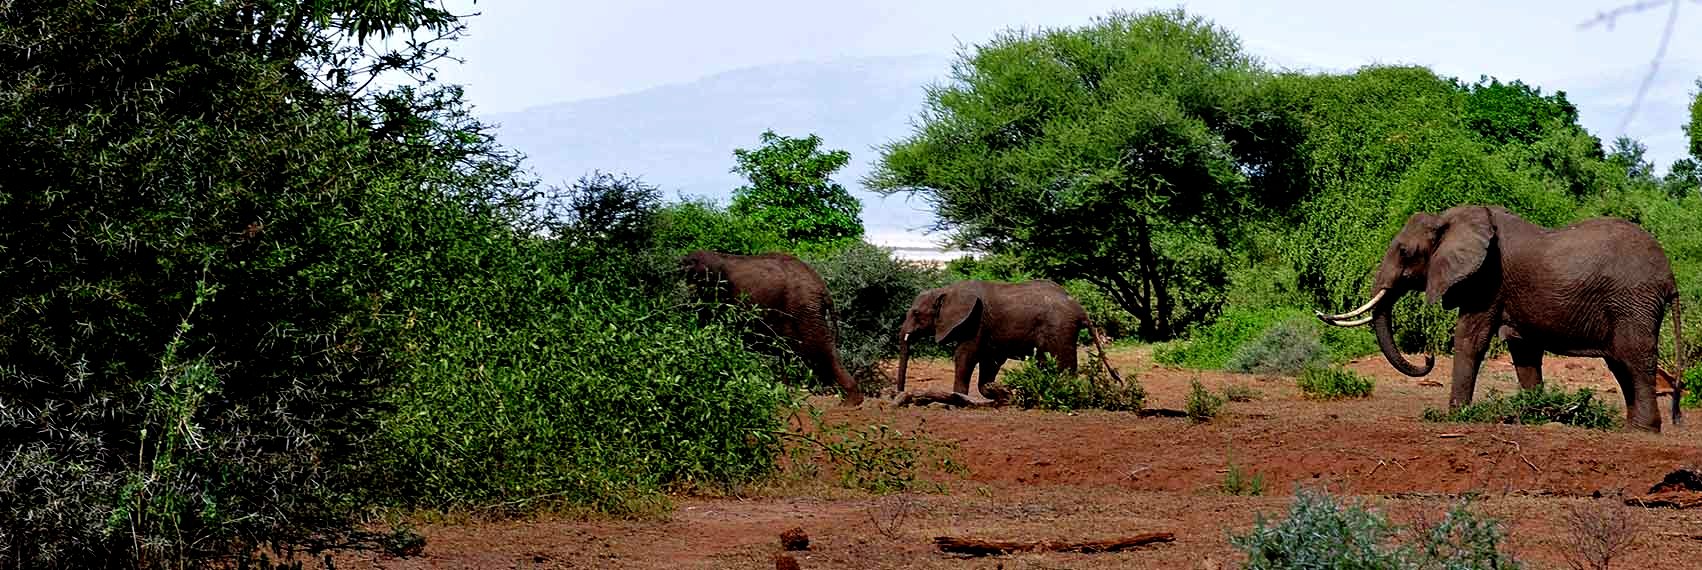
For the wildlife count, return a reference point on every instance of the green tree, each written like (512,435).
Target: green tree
(791,190)
(1629,154)
(1512,112)
(215,234)
(1122,153)
(1693,130)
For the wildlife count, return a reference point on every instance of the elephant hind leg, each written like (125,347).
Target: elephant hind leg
(1636,376)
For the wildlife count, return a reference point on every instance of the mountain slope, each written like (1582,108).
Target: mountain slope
(681,137)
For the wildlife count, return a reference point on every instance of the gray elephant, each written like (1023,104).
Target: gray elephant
(794,301)
(992,322)
(1597,288)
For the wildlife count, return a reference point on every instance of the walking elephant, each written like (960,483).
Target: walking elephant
(993,322)
(1596,288)
(793,298)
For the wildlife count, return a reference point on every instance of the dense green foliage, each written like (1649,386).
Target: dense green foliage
(1322,532)
(871,292)
(790,191)
(1265,340)
(1334,383)
(1107,153)
(1693,129)
(1536,406)
(1039,384)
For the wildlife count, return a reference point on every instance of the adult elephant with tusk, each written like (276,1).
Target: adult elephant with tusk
(992,322)
(1596,288)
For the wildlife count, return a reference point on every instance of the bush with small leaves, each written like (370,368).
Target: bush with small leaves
(1039,384)
(1241,393)
(1535,406)
(1320,532)
(1202,405)
(1334,383)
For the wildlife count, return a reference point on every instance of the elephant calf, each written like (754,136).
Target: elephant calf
(793,298)
(994,322)
(1597,288)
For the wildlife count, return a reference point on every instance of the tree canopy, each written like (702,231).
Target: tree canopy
(791,190)
(1115,153)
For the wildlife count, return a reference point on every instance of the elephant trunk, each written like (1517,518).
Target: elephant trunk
(1380,318)
(903,358)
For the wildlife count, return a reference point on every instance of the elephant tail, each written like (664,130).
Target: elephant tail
(1094,332)
(1677,356)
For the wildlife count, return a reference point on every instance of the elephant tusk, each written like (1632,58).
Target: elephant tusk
(1352,323)
(1356,312)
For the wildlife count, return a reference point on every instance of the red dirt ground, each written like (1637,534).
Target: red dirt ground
(1035,475)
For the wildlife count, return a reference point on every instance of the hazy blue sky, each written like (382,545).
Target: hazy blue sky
(525,53)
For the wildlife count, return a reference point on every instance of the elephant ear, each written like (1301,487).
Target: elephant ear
(1460,253)
(960,314)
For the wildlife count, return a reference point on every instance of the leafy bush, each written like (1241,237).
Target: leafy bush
(1288,347)
(1539,405)
(1039,383)
(871,292)
(1321,532)
(601,404)
(1241,393)
(1244,339)
(1202,405)
(1334,383)
(874,458)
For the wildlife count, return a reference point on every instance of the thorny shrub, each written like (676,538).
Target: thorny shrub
(1040,384)
(1539,405)
(1322,532)
(874,458)
(1202,405)
(1334,383)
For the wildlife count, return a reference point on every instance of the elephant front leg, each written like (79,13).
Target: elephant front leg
(963,363)
(1471,341)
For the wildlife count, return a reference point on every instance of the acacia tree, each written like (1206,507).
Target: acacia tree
(1122,153)
(791,190)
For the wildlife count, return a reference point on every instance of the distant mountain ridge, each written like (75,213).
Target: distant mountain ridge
(681,137)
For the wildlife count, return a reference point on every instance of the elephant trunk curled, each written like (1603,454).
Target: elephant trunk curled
(1380,322)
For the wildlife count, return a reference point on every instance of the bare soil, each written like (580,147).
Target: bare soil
(1091,475)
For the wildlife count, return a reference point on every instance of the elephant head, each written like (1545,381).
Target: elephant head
(951,314)
(1432,253)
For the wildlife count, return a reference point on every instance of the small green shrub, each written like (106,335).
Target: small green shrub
(1202,405)
(1039,384)
(1539,405)
(1289,346)
(1334,383)
(1241,393)
(1321,532)
(874,458)
(1242,339)
(1240,483)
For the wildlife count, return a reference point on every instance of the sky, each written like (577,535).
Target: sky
(527,53)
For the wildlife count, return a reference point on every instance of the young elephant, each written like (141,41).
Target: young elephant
(1597,288)
(794,299)
(993,322)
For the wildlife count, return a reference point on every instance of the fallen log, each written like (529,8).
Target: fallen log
(953,399)
(1669,499)
(977,547)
